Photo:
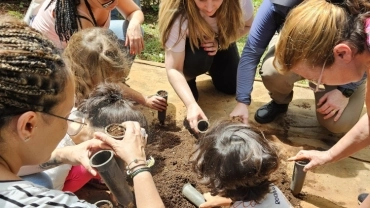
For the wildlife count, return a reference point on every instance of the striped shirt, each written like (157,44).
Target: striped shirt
(26,194)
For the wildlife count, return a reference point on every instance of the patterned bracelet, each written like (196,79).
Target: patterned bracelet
(135,172)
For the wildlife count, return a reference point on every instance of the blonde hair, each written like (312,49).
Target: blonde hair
(94,55)
(229,22)
(313,28)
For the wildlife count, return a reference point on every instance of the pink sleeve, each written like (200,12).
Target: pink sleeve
(177,37)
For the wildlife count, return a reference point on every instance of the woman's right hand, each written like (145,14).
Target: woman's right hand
(131,147)
(316,158)
(241,110)
(194,113)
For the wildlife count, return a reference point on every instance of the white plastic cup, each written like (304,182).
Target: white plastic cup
(193,195)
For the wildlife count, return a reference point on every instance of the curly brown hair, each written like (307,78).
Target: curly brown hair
(235,162)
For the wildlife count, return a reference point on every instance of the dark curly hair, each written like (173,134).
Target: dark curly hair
(235,162)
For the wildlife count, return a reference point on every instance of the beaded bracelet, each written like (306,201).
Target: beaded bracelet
(134,173)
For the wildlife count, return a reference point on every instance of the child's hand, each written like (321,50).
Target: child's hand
(156,102)
(214,201)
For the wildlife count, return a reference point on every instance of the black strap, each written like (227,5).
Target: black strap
(83,17)
(286,3)
(90,12)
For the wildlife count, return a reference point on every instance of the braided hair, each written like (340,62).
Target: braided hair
(32,72)
(66,18)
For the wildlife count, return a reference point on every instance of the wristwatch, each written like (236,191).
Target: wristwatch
(345,91)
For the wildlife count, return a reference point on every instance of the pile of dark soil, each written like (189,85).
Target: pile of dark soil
(171,146)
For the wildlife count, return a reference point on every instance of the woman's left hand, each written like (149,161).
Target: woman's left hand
(211,46)
(134,38)
(332,104)
(81,153)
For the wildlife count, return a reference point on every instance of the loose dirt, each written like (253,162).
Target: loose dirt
(171,146)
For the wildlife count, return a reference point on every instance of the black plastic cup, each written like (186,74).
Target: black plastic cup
(298,176)
(112,175)
(202,126)
(115,125)
(162,114)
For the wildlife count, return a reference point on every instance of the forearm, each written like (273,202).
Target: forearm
(136,17)
(356,139)
(132,94)
(181,87)
(146,194)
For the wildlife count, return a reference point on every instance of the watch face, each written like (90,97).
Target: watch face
(348,92)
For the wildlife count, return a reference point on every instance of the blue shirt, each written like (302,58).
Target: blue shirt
(268,21)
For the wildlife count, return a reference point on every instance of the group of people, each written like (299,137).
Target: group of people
(63,79)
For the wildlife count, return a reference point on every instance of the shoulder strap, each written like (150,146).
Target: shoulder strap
(83,17)
(90,12)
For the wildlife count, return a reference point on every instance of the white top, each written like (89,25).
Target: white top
(176,43)
(24,193)
(274,199)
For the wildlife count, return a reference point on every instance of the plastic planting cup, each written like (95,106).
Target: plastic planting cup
(202,126)
(162,114)
(298,176)
(112,175)
(193,195)
(116,131)
(104,204)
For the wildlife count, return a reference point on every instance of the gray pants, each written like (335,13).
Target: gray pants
(280,88)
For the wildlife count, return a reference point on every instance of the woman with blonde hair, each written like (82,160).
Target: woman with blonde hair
(199,36)
(329,44)
(95,56)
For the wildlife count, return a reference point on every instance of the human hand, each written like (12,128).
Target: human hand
(240,110)
(194,113)
(215,201)
(131,147)
(332,103)
(316,158)
(81,153)
(134,38)
(156,102)
(211,46)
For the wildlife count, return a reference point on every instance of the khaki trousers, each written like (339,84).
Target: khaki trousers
(280,88)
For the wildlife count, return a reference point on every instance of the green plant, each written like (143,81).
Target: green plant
(16,14)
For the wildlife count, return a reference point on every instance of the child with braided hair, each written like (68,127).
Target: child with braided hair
(235,162)
(36,97)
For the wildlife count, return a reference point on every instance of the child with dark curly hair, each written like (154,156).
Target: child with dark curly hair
(235,162)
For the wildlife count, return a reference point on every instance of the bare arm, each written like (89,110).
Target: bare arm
(130,11)
(154,102)
(356,139)
(146,193)
(174,66)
